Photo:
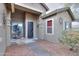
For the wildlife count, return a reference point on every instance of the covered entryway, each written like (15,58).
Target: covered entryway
(24,26)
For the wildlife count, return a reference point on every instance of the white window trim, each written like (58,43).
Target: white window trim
(48,19)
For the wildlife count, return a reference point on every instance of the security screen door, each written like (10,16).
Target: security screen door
(30,30)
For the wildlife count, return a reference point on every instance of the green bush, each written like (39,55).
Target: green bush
(70,38)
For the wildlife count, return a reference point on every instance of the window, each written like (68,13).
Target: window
(67,25)
(49,26)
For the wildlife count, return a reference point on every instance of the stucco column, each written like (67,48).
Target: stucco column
(25,26)
(8,20)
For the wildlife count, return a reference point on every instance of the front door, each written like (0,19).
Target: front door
(30,30)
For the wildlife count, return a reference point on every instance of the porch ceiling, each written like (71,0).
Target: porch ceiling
(27,9)
(24,8)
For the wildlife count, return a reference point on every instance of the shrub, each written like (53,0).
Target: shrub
(70,38)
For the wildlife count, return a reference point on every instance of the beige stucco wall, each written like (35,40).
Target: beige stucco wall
(3,39)
(41,29)
(58,28)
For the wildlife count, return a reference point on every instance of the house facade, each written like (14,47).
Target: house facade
(24,23)
(55,22)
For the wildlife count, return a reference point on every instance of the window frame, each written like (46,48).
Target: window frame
(66,25)
(48,19)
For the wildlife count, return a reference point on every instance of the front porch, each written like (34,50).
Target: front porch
(23,27)
(22,24)
(38,48)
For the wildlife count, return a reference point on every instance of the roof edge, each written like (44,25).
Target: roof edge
(45,6)
(58,11)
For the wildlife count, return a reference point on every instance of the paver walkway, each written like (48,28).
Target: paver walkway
(38,48)
(55,49)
